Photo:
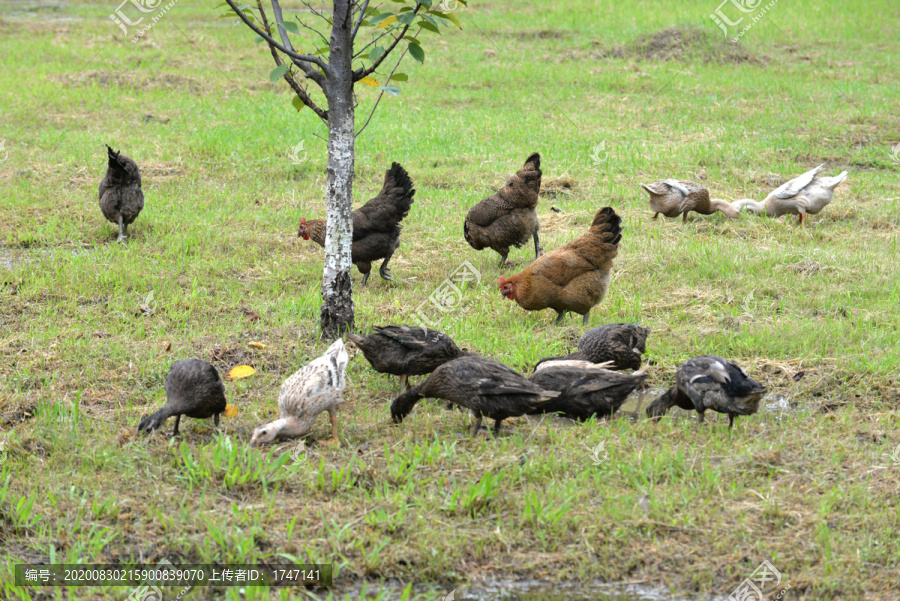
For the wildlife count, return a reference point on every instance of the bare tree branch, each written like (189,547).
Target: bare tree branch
(363,49)
(313,29)
(362,14)
(282,32)
(288,76)
(360,73)
(264,35)
(315,12)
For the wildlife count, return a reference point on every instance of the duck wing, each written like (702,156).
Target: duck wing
(793,187)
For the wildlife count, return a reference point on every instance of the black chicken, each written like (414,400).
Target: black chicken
(621,343)
(508,218)
(406,350)
(194,389)
(376,225)
(121,196)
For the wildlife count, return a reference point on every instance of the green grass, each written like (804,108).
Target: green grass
(674,506)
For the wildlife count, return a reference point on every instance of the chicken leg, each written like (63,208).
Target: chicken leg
(476,427)
(122,228)
(802,218)
(496,429)
(383,271)
(334,437)
(587,318)
(503,261)
(177,421)
(538,251)
(559,317)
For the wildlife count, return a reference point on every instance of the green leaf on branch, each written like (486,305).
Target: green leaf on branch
(376,53)
(399,77)
(416,51)
(278,72)
(406,18)
(380,17)
(297,103)
(259,39)
(428,25)
(451,17)
(425,3)
(392,90)
(291,27)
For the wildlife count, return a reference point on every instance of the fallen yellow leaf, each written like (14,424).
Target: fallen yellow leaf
(369,81)
(257,345)
(241,371)
(230,410)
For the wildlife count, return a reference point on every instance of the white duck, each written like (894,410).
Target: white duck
(314,388)
(807,194)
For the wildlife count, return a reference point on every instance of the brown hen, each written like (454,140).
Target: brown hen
(574,277)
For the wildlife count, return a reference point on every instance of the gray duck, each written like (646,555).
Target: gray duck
(585,389)
(710,382)
(488,388)
(674,197)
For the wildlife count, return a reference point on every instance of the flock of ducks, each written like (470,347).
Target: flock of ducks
(590,382)
(805,195)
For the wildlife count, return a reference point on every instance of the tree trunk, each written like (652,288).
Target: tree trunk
(337,287)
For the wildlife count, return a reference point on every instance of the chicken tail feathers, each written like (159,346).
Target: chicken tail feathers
(534,158)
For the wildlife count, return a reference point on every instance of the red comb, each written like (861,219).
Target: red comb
(303,220)
(500,280)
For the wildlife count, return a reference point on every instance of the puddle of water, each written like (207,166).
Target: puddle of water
(536,590)
(10,259)
(529,590)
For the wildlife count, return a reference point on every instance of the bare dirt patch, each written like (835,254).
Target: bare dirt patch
(683,43)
